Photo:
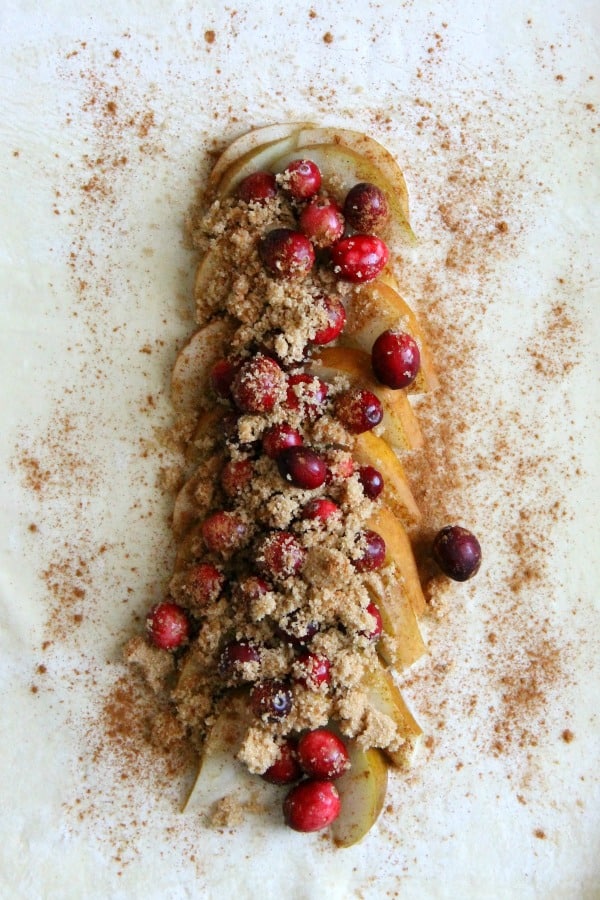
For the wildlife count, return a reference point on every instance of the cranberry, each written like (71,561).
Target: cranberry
(286,768)
(286,253)
(224,532)
(203,583)
(457,552)
(295,634)
(322,221)
(221,375)
(359,258)
(316,670)
(280,437)
(301,179)
(322,754)
(280,555)
(271,700)
(339,467)
(311,806)
(358,410)
(233,657)
(258,385)
(168,626)
(377,629)
(320,508)
(307,392)
(371,480)
(373,555)
(395,359)
(257,188)
(302,467)
(366,207)
(336,320)
(235,476)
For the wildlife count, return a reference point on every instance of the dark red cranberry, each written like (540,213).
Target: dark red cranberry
(258,385)
(295,634)
(286,768)
(376,631)
(235,476)
(371,480)
(271,700)
(395,359)
(320,508)
(203,583)
(315,669)
(301,179)
(286,253)
(251,589)
(366,208)
(306,392)
(373,555)
(221,376)
(336,320)
(280,437)
(234,655)
(224,532)
(302,467)
(258,187)
(280,555)
(168,626)
(359,258)
(322,221)
(457,552)
(311,806)
(322,754)
(358,410)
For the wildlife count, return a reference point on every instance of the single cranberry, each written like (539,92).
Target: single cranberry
(258,187)
(286,768)
(359,258)
(280,437)
(395,359)
(280,555)
(302,467)
(339,466)
(375,633)
(203,583)
(457,552)
(320,508)
(168,626)
(251,589)
(306,392)
(311,806)
(235,476)
(358,410)
(336,320)
(297,631)
(221,376)
(258,385)
(235,655)
(271,700)
(322,754)
(301,179)
(373,555)
(224,532)
(286,253)
(371,480)
(322,221)
(315,669)
(366,208)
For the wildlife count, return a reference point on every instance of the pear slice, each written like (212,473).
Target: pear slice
(362,792)
(398,552)
(189,381)
(211,286)
(252,141)
(195,497)
(400,424)
(384,696)
(373,309)
(370,450)
(401,643)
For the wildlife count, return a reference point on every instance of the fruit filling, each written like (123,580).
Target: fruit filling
(294,586)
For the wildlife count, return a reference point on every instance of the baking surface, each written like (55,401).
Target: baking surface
(109,120)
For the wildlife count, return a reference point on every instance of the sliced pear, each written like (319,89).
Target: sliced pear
(399,422)
(384,696)
(362,792)
(398,551)
(195,497)
(401,643)
(252,141)
(374,308)
(370,450)
(211,287)
(189,382)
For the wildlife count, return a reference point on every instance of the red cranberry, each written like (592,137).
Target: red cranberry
(301,179)
(235,476)
(307,392)
(302,467)
(271,700)
(168,626)
(322,754)
(395,359)
(359,258)
(338,467)
(358,410)
(258,385)
(320,508)
(311,806)
(377,629)
(316,670)
(280,437)
(371,480)
(373,555)
(258,187)
(233,657)
(221,375)
(286,253)
(366,208)
(286,768)
(457,552)
(251,589)
(297,635)
(203,583)
(280,555)
(322,221)
(224,532)
(336,320)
